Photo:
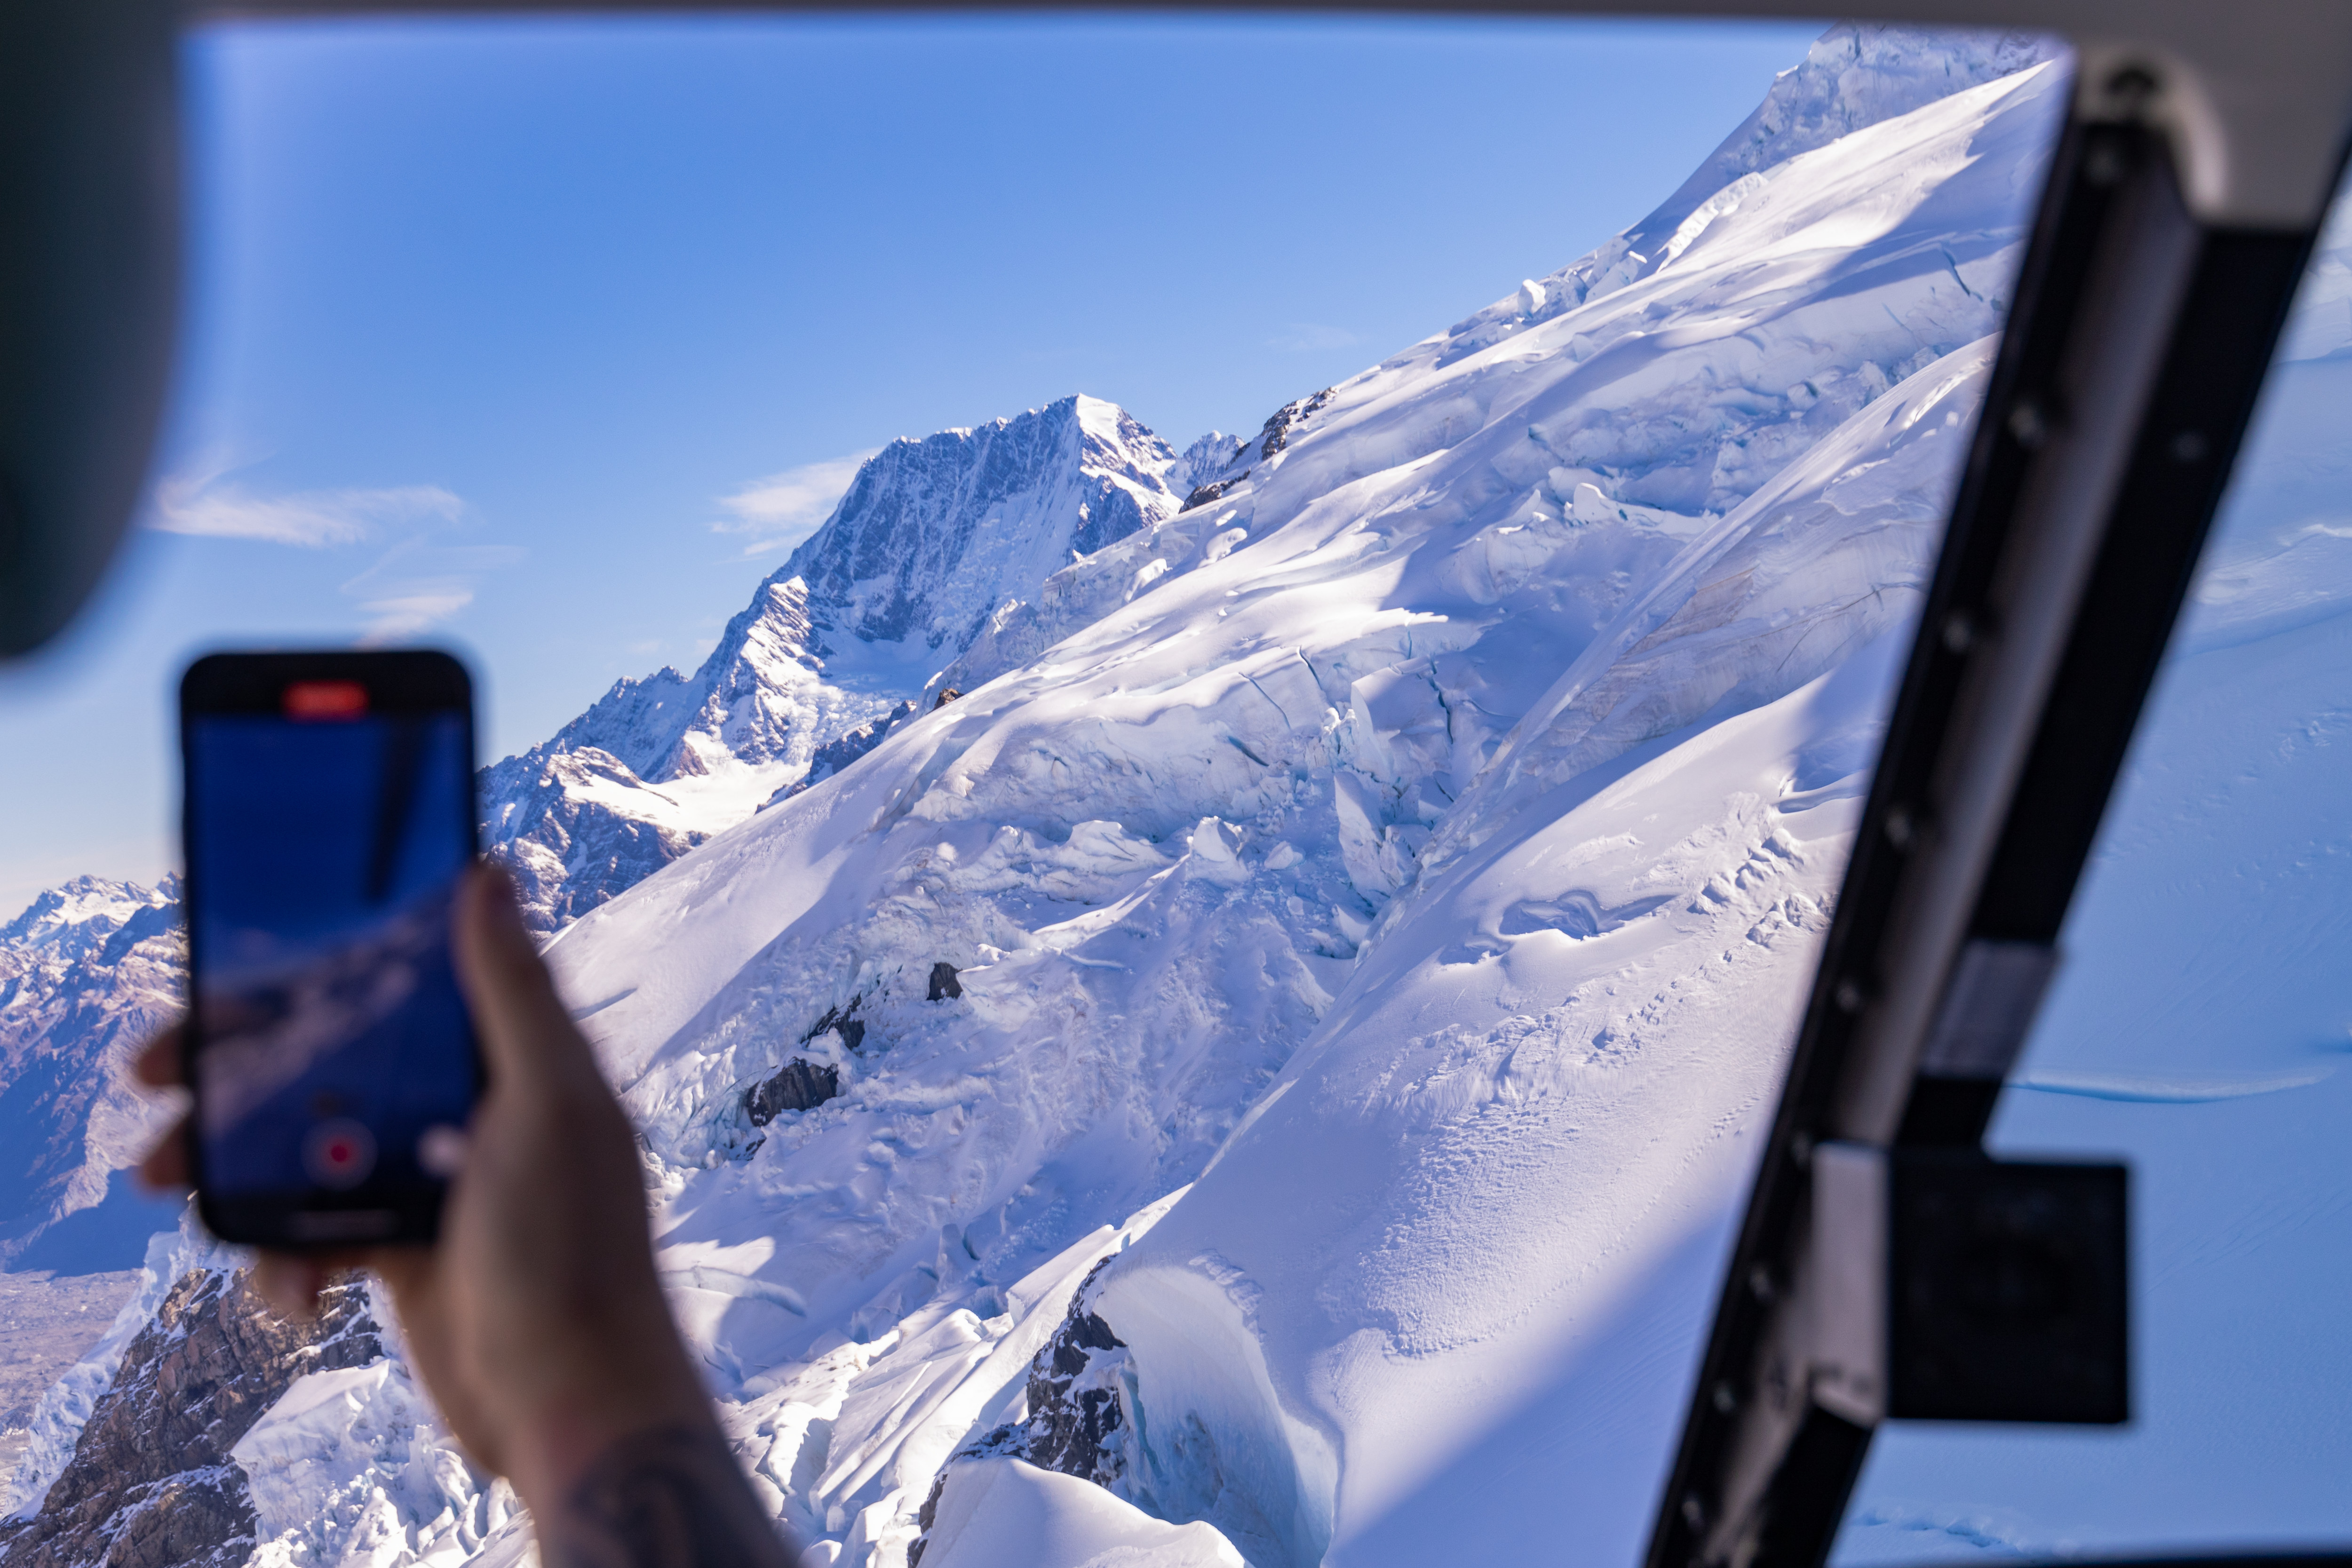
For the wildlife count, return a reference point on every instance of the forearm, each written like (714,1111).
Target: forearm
(669,1496)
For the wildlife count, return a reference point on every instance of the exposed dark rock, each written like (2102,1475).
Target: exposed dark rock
(1075,1416)
(1207,493)
(947,695)
(1074,1413)
(1275,436)
(927,1516)
(151,1483)
(799,1085)
(944,983)
(844,1021)
(1272,438)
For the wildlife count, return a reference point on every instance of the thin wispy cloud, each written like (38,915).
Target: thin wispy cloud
(418,584)
(1311,337)
(210,505)
(417,580)
(779,511)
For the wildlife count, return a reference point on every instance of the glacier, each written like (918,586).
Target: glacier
(1315,986)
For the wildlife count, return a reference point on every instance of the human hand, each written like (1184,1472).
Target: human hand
(536,1320)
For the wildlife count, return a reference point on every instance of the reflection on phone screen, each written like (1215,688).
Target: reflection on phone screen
(335,1055)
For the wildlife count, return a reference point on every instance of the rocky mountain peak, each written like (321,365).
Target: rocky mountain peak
(935,534)
(932,537)
(75,919)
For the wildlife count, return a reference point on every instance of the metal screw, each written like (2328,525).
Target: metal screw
(1760,1283)
(1693,1511)
(1727,1399)
(1899,828)
(2189,446)
(1959,632)
(1849,996)
(2104,164)
(2027,426)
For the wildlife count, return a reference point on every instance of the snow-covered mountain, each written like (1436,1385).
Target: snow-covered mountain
(1164,1064)
(1264,1074)
(1434,823)
(87,973)
(932,537)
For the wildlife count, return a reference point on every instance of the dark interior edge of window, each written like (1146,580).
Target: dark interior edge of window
(2219,346)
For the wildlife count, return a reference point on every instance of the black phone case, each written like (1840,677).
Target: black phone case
(397,681)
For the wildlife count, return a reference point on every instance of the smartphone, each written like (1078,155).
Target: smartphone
(328,818)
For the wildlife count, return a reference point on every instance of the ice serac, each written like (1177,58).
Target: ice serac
(89,972)
(931,539)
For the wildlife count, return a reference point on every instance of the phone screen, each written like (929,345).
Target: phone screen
(333,1058)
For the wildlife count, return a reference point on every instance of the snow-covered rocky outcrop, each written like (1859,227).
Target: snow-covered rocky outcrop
(190,1368)
(932,537)
(89,972)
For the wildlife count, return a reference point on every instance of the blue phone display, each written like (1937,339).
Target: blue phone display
(334,1059)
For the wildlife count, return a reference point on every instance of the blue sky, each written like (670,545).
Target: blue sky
(545,340)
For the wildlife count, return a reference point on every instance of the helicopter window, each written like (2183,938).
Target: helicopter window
(2197,1030)
(1546,656)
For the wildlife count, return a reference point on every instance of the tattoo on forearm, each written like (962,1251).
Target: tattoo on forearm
(673,1498)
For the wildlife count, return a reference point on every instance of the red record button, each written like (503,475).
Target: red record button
(339,1154)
